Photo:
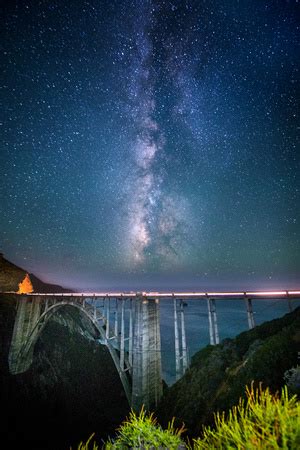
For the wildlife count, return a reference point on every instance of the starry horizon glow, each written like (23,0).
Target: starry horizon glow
(151,144)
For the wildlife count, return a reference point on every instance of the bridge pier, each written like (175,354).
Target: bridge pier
(177,349)
(146,368)
(181,358)
(130,342)
(107,315)
(122,338)
(117,322)
(213,324)
(183,340)
(250,316)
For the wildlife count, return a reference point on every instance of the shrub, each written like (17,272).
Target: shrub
(292,379)
(141,431)
(263,421)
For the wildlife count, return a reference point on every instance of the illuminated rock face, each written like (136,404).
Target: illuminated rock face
(25,287)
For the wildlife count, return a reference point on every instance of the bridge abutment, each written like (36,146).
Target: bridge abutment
(28,313)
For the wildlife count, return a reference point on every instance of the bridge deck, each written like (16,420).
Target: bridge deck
(166,295)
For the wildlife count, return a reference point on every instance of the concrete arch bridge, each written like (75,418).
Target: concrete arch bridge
(128,324)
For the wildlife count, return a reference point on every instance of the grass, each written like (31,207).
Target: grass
(141,431)
(262,421)
(86,445)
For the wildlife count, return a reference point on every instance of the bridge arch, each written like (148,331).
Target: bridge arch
(32,318)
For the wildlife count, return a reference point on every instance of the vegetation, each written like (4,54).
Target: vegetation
(86,445)
(262,421)
(141,431)
(265,358)
(292,379)
(218,374)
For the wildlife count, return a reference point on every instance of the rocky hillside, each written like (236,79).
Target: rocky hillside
(218,374)
(11,276)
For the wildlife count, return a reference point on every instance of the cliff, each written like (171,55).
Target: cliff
(218,374)
(11,276)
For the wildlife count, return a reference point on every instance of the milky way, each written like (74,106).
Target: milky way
(157,219)
(151,144)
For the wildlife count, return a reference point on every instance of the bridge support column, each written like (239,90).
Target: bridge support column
(213,325)
(116,321)
(181,358)
(183,340)
(177,349)
(28,313)
(250,315)
(107,304)
(146,369)
(130,342)
(122,337)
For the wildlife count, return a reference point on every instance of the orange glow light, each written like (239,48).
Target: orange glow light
(25,287)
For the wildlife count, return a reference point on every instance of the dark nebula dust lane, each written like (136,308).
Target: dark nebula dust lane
(151,144)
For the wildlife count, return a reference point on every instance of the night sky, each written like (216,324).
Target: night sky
(151,144)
